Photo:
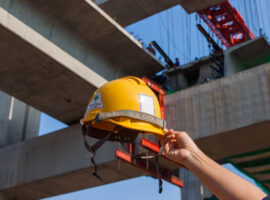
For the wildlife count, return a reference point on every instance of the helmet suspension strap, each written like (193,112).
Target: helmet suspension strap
(157,166)
(92,149)
(159,174)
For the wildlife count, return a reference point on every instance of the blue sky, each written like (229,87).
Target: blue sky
(175,31)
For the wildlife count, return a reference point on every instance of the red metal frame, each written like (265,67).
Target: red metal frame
(141,164)
(161,93)
(150,145)
(227,24)
(154,147)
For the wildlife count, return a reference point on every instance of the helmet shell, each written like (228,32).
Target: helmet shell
(127,93)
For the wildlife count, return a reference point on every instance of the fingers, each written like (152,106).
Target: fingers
(168,132)
(167,138)
(169,146)
(160,137)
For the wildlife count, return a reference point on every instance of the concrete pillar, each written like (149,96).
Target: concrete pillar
(18,121)
(2,197)
(193,188)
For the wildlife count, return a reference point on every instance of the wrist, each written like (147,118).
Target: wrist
(194,158)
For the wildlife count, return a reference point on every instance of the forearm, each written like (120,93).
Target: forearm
(223,183)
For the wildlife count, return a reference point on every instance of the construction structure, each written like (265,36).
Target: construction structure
(51,54)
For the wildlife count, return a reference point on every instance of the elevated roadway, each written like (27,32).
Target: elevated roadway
(127,12)
(40,67)
(57,54)
(226,117)
(57,163)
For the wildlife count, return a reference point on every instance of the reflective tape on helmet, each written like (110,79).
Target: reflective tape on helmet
(132,114)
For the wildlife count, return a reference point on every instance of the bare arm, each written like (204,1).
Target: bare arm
(179,147)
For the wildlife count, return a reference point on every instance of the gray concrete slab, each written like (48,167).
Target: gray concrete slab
(246,55)
(87,33)
(235,142)
(39,73)
(57,163)
(41,68)
(197,5)
(127,12)
(232,114)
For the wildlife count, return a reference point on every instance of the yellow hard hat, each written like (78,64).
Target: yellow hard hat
(125,106)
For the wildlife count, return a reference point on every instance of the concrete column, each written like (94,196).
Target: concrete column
(193,188)
(2,197)
(18,121)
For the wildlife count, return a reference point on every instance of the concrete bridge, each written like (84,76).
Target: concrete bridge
(226,117)
(53,61)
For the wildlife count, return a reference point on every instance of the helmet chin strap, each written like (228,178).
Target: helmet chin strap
(92,149)
(159,174)
(156,161)
(157,167)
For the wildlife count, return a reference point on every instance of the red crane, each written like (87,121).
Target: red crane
(227,24)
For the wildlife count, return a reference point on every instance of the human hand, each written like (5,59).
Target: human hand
(178,146)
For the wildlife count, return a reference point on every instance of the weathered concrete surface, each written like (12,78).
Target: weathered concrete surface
(193,73)
(228,116)
(87,33)
(57,163)
(246,55)
(18,121)
(127,12)
(35,70)
(197,5)
(39,73)
(2,197)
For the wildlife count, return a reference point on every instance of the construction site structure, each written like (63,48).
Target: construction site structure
(52,54)
(227,24)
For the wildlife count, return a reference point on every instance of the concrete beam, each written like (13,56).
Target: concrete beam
(197,5)
(235,142)
(246,55)
(41,74)
(232,114)
(57,163)
(87,33)
(57,68)
(127,12)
